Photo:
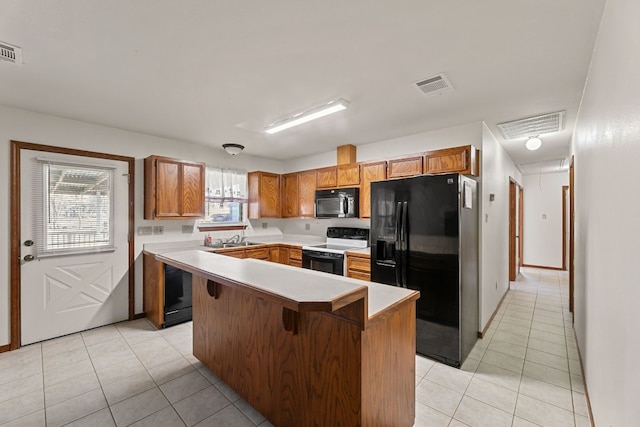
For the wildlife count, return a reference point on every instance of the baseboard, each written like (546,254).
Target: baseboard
(544,267)
(4,348)
(139,316)
(482,333)
(584,380)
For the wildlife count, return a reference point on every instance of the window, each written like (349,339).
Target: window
(225,196)
(75,208)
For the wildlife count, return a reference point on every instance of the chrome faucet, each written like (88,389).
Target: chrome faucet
(233,239)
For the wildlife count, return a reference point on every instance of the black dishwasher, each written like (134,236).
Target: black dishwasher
(177,296)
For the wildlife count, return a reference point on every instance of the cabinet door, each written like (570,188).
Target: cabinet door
(290,195)
(407,166)
(307,193)
(450,160)
(269,195)
(192,190)
(327,178)
(348,175)
(369,172)
(167,185)
(259,253)
(274,254)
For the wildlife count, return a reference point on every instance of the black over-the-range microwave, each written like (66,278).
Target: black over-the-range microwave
(337,203)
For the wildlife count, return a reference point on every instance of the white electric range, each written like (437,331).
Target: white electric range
(329,257)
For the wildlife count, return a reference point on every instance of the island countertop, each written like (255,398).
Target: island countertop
(295,288)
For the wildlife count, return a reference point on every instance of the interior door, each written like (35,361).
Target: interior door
(74,243)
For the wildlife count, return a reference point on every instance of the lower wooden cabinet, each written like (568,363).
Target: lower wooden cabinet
(257,253)
(295,257)
(359,266)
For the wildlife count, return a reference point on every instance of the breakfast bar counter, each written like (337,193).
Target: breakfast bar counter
(302,347)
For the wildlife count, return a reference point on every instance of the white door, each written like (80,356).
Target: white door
(74,244)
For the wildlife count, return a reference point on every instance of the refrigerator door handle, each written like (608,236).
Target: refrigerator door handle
(405,245)
(398,243)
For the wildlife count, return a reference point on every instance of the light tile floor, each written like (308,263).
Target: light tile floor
(525,372)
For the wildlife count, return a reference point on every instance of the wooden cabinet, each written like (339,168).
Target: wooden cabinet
(327,177)
(290,195)
(233,252)
(405,166)
(359,266)
(264,195)
(307,193)
(173,189)
(153,289)
(295,256)
(348,175)
(279,254)
(369,172)
(257,253)
(451,160)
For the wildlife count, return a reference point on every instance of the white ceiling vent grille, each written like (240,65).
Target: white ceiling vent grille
(532,126)
(434,85)
(10,53)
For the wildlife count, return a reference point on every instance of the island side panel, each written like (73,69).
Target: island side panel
(312,377)
(153,289)
(388,368)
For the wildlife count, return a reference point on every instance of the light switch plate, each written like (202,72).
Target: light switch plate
(187,229)
(158,229)
(145,231)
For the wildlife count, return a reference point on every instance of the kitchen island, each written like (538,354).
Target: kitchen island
(302,347)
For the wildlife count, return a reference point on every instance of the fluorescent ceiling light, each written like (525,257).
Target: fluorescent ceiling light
(533,143)
(306,116)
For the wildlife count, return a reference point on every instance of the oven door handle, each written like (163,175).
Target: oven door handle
(319,256)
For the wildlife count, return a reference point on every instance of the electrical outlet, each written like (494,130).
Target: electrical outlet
(145,231)
(187,229)
(158,229)
(307,226)
(265,225)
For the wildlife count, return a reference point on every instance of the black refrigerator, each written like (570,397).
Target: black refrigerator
(424,236)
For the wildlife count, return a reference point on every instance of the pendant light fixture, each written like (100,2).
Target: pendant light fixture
(533,143)
(308,115)
(233,149)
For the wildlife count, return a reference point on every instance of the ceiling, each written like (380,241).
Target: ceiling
(212,72)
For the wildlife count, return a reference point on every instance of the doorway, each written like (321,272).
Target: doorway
(516,195)
(72,248)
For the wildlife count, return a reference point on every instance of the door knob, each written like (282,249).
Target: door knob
(28,258)
(28,242)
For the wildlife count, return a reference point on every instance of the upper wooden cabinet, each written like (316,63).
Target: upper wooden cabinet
(264,195)
(348,175)
(369,172)
(290,195)
(173,189)
(404,166)
(307,193)
(327,177)
(451,160)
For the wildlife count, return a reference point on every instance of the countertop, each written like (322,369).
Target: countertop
(298,288)
(364,251)
(292,240)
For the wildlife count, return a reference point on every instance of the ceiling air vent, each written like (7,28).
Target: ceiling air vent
(10,53)
(434,85)
(532,126)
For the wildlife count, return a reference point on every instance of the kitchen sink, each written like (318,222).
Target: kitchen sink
(232,245)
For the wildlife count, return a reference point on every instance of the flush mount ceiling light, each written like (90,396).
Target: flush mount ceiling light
(533,143)
(308,115)
(233,149)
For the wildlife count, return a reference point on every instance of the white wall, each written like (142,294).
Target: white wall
(607,219)
(24,126)
(542,220)
(497,168)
